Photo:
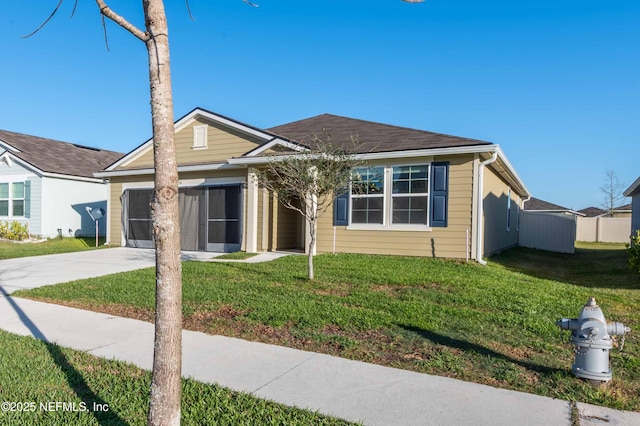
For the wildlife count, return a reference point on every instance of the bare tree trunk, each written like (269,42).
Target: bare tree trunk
(312,246)
(164,406)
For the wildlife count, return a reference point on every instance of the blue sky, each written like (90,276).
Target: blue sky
(555,83)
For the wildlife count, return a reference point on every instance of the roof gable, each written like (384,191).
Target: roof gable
(58,157)
(372,136)
(255,139)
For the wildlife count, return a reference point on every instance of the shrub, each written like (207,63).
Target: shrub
(634,252)
(14,231)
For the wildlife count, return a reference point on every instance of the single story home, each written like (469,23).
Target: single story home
(49,184)
(431,194)
(634,192)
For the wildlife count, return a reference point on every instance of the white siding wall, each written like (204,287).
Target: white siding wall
(16,173)
(548,231)
(64,205)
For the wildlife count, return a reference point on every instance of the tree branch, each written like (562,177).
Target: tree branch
(106,11)
(45,21)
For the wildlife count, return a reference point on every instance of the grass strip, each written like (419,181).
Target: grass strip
(10,250)
(45,384)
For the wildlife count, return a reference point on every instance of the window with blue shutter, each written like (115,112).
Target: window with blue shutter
(341,210)
(439,194)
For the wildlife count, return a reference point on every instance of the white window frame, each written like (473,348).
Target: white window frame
(361,196)
(8,199)
(387,222)
(15,179)
(421,194)
(13,200)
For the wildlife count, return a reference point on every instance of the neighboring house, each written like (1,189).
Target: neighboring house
(593,212)
(634,192)
(431,194)
(621,211)
(48,184)
(541,206)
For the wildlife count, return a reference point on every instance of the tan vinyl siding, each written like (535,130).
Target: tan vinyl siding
(496,235)
(222,143)
(450,242)
(281,228)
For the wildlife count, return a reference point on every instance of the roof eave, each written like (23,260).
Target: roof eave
(633,188)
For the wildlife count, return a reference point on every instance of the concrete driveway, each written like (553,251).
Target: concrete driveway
(38,271)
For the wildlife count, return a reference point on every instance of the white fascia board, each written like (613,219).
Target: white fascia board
(274,142)
(150,171)
(132,156)
(512,171)
(136,172)
(22,163)
(392,155)
(632,188)
(182,123)
(377,155)
(8,146)
(70,177)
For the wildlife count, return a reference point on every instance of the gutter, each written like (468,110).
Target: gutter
(480,215)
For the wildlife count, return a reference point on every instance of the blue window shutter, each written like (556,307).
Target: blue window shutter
(341,210)
(27,198)
(439,194)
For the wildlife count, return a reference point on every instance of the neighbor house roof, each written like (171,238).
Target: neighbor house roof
(593,212)
(57,157)
(371,136)
(536,204)
(596,211)
(633,189)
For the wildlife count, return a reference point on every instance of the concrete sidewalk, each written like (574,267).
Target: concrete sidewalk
(351,390)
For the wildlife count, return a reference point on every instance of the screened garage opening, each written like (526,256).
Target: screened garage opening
(210,218)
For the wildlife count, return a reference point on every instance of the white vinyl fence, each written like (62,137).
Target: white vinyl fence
(604,229)
(548,231)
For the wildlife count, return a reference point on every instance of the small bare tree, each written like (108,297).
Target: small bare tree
(308,182)
(612,190)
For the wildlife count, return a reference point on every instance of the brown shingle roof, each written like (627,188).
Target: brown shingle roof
(541,205)
(592,211)
(374,137)
(52,156)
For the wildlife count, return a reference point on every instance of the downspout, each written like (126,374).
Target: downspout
(479,242)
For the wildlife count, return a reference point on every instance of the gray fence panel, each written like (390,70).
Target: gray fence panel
(548,231)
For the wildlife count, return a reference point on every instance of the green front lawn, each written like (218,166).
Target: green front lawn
(9,250)
(492,325)
(45,384)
